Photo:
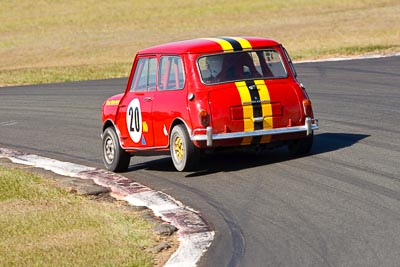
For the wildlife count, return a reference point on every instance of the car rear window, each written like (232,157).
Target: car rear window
(228,67)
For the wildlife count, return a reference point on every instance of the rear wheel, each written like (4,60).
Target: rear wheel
(301,146)
(184,154)
(114,157)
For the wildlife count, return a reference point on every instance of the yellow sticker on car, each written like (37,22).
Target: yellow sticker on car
(114,102)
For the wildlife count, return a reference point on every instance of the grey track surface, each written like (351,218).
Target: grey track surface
(339,206)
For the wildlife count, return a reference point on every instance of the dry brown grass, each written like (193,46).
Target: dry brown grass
(41,35)
(42,225)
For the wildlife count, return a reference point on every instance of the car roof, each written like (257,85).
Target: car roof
(211,45)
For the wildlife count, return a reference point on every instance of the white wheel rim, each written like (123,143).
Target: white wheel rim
(109,150)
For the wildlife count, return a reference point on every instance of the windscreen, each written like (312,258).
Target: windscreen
(228,67)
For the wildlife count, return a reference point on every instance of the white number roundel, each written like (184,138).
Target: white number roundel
(134,120)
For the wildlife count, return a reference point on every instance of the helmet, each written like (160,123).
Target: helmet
(214,64)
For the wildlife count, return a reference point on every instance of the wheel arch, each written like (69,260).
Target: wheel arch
(107,124)
(177,121)
(110,123)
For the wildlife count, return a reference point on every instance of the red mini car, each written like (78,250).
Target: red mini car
(205,94)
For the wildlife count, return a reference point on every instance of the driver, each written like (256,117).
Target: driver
(214,64)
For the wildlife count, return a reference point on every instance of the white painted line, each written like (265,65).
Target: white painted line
(195,235)
(348,58)
(194,245)
(56,166)
(8,123)
(156,201)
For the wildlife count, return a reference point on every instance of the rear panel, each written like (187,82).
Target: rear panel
(254,105)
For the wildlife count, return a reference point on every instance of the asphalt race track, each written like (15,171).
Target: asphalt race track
(339,206)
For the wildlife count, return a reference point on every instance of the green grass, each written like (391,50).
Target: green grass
(42,225)
(64,74)
(43,41)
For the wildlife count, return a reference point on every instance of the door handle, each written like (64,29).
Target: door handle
(147,99)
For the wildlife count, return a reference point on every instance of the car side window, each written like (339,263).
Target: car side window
(171,73)
(145,76)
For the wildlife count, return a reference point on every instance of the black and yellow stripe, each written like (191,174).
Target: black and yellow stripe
(231,44)
(253,94)
(256,96)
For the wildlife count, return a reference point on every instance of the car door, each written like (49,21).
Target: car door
(135,119)
(170,102)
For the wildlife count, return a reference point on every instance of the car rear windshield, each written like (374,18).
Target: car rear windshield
(228,67)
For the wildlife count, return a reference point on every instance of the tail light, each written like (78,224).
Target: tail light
(307,108)
(204,118)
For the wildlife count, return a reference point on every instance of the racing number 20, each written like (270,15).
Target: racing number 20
(134,116)
(134,120)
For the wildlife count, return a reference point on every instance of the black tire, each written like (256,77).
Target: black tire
(301,146)
(114,157)
(184,154)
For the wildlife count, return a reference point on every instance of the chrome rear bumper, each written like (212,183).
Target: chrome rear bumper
(309,126)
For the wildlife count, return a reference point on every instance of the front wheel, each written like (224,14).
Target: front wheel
(301,146)
(184,154)
(114,157)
